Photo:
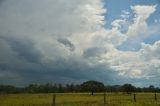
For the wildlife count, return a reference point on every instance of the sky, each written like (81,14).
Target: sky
(71,41)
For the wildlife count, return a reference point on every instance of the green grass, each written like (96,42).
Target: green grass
(79,99)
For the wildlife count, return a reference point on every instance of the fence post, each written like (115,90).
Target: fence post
(54,100)
(155,97)
(134,97)
(104,99)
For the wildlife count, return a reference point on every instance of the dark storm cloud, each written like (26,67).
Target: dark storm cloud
(67,43)
(24,48)
(58,70)
(79,70)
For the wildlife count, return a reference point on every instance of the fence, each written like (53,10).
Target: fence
(139,99)
(122,100)
(85,99)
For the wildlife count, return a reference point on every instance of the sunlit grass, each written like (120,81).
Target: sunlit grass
(79,99)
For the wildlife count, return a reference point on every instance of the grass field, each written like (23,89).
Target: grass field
(80,99)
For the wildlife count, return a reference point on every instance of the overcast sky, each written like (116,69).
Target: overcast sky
(71,41)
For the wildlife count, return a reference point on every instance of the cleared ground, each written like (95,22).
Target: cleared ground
(80,99)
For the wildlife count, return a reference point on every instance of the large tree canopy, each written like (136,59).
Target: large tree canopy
(92,86)
(128,88)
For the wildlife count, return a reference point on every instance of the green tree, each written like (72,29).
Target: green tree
(151,88)
(92,86)
(32,88)
(129,88)
(7,89)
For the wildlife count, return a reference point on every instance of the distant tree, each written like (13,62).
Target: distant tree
(92,86)
(77,88)
(32,88)
(157,89)
(60,88)
(151,88)
(115,88)
(128,88)
(55,88)
(48,88)
(7,89)
(138,89)
(70,88)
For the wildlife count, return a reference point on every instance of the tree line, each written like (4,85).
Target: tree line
(88,86)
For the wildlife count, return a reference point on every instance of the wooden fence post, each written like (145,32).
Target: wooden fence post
(54,100)
(155,97)
(134,97)
(104,99)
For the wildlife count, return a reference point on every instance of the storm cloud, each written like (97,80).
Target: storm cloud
(61,41)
